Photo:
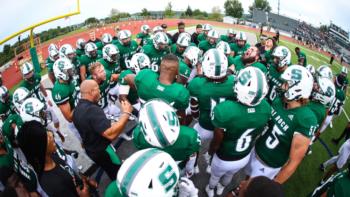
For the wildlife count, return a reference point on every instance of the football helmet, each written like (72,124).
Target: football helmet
(214,64)
(91,50)
(159,123)
(124,37)
(251,86)
(63,69)
(324,71)
(27,68)
(106,38)
(241,36)
(54,55)
(231,31)
(148,172)
(145,29)
(157,29)
(184,40)
(193,54)
(19,96)
(139,61)
(283,54)
(311,68)
(325,91)
(110,53)
(224,47)
(213,34)
(207,27)
(159,39)
(33,109)
(4,94)
(52,46)
(80,44)
(67,51)
(299,82)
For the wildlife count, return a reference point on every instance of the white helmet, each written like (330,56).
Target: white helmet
(251,86)
(63,69)
(54,55)
(106,38)
(145,28)
(91,49)
(52,46)
(148,172)
(184,39)
(324,71)
(4,94)
(311,68)
(159,123)
(241,36)
(33,109)
(231,31)
(300,82)
(193,54)
(207,27)
(80,43)
(160,38)
(124,34)
(213,34)
(26,68)
(284,55)
(344,70)
(139,61)
(157,29)
(214,64)
(19,96)
(224,47)
(66,51)
(325,92)
(110,53)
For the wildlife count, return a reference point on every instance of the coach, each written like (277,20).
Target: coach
(96,130)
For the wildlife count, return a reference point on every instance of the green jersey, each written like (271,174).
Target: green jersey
(239,65)
(99,45)
(104,89)
(79,52)
(65,92)
(126,52)
(145,39)
(184,70)
(242,125)
(338,101)
(302,55)
(154,55)
(201,37)
(205,46)
(275,83)
(148,87)
(319,110)
(86,61)
(239,50)
(132,96)
(268,56)
(174,50)
(110,67)
(112,190)
(186,144)
(49,65)
(209,94)
(273,146)
(337,185)
(34,87)
(6,108)
(230,60)
(7,128)
(228,39)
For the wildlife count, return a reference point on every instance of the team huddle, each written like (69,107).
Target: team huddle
(258,111)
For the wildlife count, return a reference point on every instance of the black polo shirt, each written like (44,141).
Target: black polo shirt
(91,122)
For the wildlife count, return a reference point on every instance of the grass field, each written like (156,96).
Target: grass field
(308,174)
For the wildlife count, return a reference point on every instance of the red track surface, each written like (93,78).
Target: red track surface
(12,75)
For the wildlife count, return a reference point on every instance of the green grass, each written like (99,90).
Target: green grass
(307,176)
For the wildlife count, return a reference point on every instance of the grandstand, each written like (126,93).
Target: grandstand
(339,35)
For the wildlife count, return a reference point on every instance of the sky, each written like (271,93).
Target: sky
(17,15)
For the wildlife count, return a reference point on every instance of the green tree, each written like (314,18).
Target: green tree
(145,12)
(233,8)
(91,20)
(216,13)
(263,5)
(168,12)
(188,11)
(114,12)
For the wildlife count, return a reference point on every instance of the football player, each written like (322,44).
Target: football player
(110,58)
(80,44)
(210,42)
(301,57)
(241,45)
(281,61)
(91,55)
(249,58)
(159,127)
(157,50)
(224,47)
(230,37)
(203,36)
(280,150)
(143,38)
(53,56)
(234,136)
(67,51)
(191,57)
(6,107)
(324,71)
(106,39)
(127,47)
(180,46)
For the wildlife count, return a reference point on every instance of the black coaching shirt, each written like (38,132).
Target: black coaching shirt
(91,122)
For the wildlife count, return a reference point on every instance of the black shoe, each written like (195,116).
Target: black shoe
(322,167)
(336,142)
